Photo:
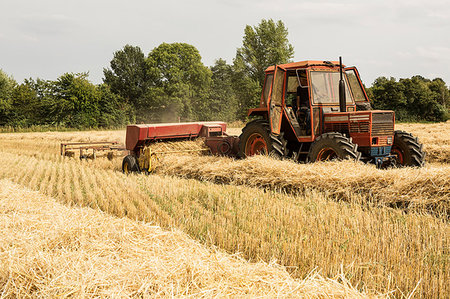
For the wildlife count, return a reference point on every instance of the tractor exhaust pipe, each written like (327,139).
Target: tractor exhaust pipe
(342,100)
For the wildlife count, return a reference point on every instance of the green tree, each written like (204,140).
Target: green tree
(222,101)
(128,76)
(387,94)
(114,111)
(247,90)
(27,109)
(70,101)
(74,101)
(262,46)
(441,96)
(7,84)
(418,96)
(41,104)
(412,99)
(180,83)
(441,93)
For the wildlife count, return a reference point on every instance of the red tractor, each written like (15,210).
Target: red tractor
(317,111)
(309,111)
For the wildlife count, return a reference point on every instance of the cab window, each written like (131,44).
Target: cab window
(291,89)
(325,88)
(267,85)
(357,91)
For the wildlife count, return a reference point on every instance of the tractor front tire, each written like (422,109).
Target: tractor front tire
(129,164)
(407,150)
(333,146)
(256,139)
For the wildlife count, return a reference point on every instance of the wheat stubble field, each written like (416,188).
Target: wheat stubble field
(359,230)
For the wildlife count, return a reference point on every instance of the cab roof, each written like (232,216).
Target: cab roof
(305,64)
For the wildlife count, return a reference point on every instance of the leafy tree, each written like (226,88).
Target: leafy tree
(441,94)
(6,88)
(40,104)
(128,75)
(70,101)
(27,109)
(419,97)
(247,90)
(387,95)
(74,101)
(263,45)
(222,102)
(180,83)
(114,111)
(412,99)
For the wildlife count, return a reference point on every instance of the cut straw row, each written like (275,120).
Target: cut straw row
(419,189)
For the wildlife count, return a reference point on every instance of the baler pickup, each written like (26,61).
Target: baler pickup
(89,150)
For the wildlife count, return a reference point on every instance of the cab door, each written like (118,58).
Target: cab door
(276,100)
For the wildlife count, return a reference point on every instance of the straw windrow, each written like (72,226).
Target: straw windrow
(419,189)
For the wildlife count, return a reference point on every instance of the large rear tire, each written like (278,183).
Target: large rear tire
(129,164)
(407,150)
(333,146)
(256,139)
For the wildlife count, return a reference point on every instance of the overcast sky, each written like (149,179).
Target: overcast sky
(47,38)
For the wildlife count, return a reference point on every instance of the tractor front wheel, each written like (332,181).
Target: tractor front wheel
(331,146)
(129,164)
(407,150)
(256,139)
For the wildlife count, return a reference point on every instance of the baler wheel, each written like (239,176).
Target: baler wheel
(407,150)
(257,139)
(331,146)
(129,164)
(224,148)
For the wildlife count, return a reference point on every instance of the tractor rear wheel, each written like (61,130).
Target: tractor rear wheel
(129,164)
(256,139)
(331,146)
(407,150)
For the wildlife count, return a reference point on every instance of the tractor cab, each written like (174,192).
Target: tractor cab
(302,93)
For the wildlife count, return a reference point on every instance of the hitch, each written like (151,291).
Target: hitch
(384,161)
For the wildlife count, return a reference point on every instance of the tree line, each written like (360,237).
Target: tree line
(171,83)
(412,99)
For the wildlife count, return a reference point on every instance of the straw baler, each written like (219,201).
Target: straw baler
(140,138)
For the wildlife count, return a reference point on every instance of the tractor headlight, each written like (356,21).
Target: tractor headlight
(389,140)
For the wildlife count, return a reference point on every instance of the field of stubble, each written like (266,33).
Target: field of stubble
(386,232)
